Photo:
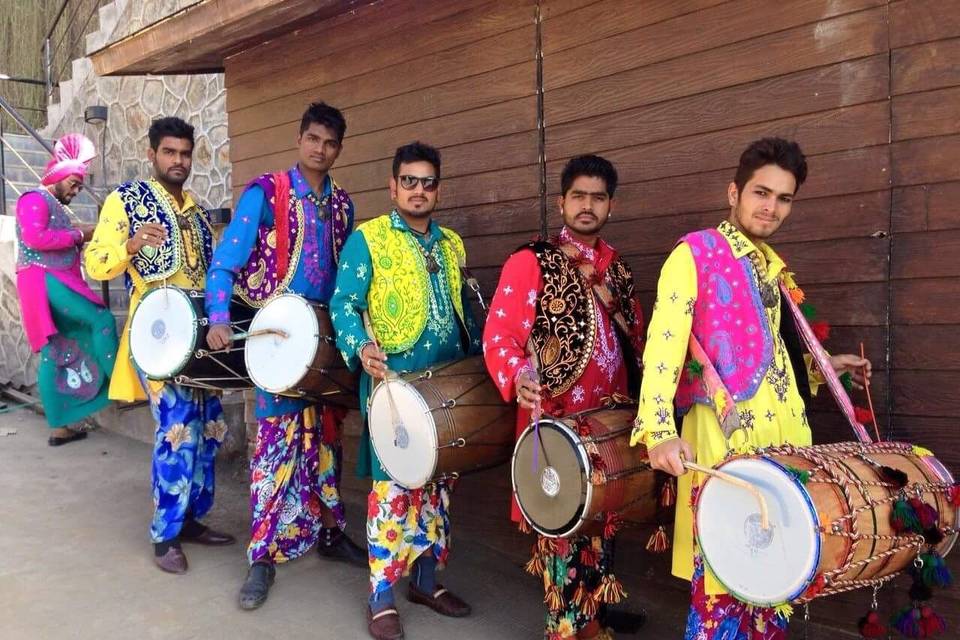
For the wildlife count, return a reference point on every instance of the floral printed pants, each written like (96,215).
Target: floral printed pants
(402,524)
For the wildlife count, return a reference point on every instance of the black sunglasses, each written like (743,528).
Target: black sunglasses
(430,183)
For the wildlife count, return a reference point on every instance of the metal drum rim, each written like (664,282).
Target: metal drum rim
(185,293)
(426,409)
(312,319)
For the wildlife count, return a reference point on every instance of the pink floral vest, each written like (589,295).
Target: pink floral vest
(728,320)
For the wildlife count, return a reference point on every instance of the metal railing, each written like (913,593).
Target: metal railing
(65,40)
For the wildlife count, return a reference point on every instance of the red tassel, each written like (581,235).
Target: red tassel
(613,524)
(668,493)
(659,541)
(589,557)
(930,623)
(870,626)
(553,599)
(955,495)
(535,565)
(590,606)
(610,590)
(579,595)
(863,416)
(815,587)
(524,527)
(821,330)
(927,514)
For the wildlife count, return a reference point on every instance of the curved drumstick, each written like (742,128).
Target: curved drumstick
(387,376)
(743,484)
(246,335)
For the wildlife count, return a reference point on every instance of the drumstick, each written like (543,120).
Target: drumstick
(246,335)
(866,387)
(394,413)
(743,484)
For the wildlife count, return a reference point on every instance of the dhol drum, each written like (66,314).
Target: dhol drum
(168,341)
(569,472)
(291,351)
(830,510)
(443,422)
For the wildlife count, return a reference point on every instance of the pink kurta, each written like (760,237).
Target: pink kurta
(48,243)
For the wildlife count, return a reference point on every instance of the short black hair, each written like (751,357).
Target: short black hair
(323,114)
(416,152)
(170,127)
(592,166)
(786,154)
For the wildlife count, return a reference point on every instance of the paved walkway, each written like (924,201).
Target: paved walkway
(75,562)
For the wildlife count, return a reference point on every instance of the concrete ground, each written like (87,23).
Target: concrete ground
(76,561)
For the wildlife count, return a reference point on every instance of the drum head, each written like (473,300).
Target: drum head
(163,333)
(763,568)
(553,490)
(403,434)
(274,363)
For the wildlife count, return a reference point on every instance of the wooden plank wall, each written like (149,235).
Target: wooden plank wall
(671,91)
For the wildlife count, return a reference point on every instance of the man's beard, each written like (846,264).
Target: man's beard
(63,197)
(172,179)
(419,213)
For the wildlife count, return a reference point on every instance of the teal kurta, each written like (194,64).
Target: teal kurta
(442,340)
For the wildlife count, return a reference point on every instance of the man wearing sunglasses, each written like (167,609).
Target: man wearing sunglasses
(286,237)
(403,270)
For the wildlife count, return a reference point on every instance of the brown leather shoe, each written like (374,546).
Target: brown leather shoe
(209,538)
(385,625)
(173,561)
(442,601)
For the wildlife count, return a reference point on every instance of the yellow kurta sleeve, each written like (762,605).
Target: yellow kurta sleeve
(106,255)
(666,349)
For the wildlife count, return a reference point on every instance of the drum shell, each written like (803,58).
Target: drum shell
(622,482)
(480,416)
(828,497)
(328,378)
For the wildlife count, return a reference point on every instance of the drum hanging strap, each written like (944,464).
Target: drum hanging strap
(822,361)
(281,221)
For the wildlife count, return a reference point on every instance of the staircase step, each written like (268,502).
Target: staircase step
(24,142)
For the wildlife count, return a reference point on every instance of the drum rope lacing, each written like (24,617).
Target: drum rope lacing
(842,476)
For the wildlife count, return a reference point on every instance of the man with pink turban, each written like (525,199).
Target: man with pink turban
(65,321)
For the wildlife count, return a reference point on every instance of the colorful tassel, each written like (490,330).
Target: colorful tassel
(904,518)
(954,495)
(818,584)
(847,381)
(694,370)
(579,595)
(863,415)
(590,606)
(931,623)
(535,566)
(797,295)
(808,310)
(659,541)
(907,622)
(926,514)
(894,476)
(821,330)
(934,571)
(921,452)
(784,610)
(610,591)
(612,524)
(589,557)
(668,493)
(524,527)
(870,626)
(802,476)
(553,599)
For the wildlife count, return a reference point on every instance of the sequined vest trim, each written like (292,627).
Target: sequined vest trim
(56,259)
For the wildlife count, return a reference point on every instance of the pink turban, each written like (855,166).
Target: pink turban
(71,155)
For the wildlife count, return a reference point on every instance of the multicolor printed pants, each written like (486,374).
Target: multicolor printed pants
(402,524)
(190,429)
(723,617)
(578,581)
(292,473)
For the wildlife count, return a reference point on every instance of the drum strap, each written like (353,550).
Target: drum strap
(822,360)
(281,221)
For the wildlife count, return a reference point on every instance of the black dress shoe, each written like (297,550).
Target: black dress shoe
(56,441)
(624,621)
(343,549)
(254,591)
(206,536)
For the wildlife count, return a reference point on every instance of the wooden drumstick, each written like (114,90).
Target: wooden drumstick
(743,484)
(388,375)
(246,335)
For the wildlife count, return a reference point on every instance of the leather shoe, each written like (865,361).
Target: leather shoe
(254,591)
(343,549)
(173,561)
(209,538)
(385,625)
(442,601)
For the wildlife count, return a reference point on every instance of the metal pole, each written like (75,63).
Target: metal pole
(47,67)
(3,170)
(6,106)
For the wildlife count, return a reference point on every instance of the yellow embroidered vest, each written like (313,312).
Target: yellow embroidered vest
(399,297)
